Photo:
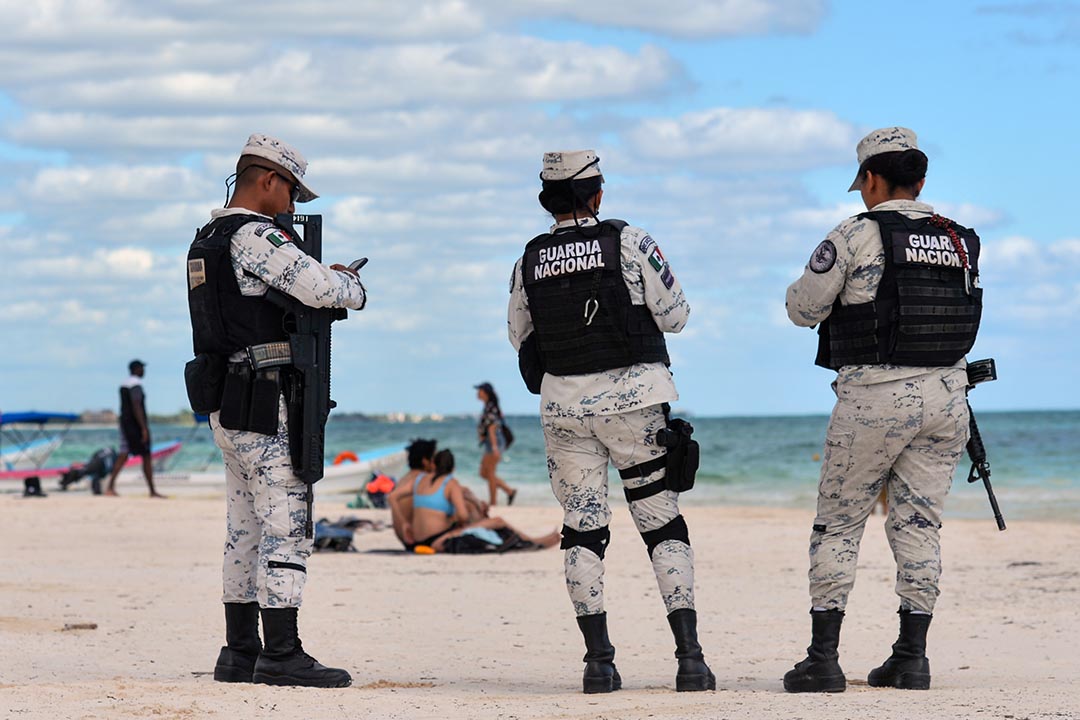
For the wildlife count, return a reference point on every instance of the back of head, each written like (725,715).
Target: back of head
(418,451)
(570,180)
(902,170)
(444,462)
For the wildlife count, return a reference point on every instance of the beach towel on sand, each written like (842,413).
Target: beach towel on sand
(484,540)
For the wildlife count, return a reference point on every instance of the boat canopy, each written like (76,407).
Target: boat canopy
(36,418)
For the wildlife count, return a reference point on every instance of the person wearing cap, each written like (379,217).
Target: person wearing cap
(241,254)
(894,292)
(493,441)
(134,429)
(590,301)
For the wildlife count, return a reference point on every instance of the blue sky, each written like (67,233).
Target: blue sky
(725,128)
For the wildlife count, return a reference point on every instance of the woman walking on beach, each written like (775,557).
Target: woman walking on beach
(493,441)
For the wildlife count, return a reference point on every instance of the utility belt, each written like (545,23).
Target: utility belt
(680,462)
(247,392)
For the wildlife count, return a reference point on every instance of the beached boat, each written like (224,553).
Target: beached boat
(27,439)
(346,477)
(159,452)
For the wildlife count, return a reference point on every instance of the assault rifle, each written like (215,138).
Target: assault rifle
(977,372)
(307,383)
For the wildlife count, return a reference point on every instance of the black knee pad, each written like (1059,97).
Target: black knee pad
(595,540)
(674,530)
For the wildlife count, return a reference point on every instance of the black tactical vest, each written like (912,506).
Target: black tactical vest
(581,310)
(928,306)
(222,320)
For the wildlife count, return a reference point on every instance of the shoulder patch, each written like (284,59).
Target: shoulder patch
(824,257)
(656,258)
(278,238)
(646,244)
(667,277)
(262,228)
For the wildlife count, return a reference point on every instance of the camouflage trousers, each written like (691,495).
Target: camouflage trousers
(265,549)
(908,436)
(578,451)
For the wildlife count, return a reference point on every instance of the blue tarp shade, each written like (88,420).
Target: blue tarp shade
(37,418)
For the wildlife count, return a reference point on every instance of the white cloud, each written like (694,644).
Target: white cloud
(734,139)
(60,185)
(690,18)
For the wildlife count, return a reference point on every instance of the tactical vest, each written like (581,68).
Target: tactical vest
(928,306)
(222,319)
(581,310)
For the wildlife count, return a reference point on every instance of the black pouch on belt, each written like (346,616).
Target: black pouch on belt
(236,397)
(683,454)
(265,394)
(204,378)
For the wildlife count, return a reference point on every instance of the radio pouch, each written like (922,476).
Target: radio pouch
(265,394)
(236,397)
(204,378)
(530,364)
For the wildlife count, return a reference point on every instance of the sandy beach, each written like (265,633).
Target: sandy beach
(493,636)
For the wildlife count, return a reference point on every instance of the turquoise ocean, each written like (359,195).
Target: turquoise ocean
(768,461)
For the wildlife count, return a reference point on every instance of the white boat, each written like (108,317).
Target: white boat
(346,477)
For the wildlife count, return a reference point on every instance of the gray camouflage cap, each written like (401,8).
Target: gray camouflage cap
(282,155)
(570,164)
(891,139)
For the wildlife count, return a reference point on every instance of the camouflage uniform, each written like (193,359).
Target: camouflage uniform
(595,418)
(265,548)
(900,427)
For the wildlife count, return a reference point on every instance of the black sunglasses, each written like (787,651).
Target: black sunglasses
(294,193)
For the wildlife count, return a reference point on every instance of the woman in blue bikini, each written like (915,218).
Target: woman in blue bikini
(439,510)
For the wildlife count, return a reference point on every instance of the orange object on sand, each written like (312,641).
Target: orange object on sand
(347,455)
(380,484)
(424,550)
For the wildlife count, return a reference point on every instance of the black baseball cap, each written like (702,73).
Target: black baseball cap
(134,364)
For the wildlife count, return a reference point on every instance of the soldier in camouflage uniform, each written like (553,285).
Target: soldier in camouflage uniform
(896,293)
(590,301)
(266,550)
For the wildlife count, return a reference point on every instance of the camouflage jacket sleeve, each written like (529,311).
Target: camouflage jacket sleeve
(518,319)
(264,255)
(810,298)
(651,281)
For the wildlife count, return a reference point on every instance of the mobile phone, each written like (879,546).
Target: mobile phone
(357,264)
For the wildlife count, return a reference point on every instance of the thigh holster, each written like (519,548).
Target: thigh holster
(674,530)
(595,540)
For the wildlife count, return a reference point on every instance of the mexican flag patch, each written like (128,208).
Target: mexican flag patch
(656,259)
(278,238)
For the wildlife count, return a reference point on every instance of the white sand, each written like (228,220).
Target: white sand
(494,637)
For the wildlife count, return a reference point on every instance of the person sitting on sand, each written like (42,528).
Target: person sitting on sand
(421,459)
(440,512)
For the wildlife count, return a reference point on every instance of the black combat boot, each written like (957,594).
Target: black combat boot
(600,673)
(820,671)
(694,674)
(283,660)
(907,668)
(236,661)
